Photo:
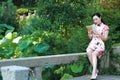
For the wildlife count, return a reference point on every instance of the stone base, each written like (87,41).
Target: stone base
(14,73)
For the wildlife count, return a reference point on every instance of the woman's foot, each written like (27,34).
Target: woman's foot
(94,76)
(97,71)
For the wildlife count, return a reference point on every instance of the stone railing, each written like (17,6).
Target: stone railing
(18,66)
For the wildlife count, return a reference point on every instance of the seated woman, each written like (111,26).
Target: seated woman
(96,47)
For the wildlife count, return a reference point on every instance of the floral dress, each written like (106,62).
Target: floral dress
(97,44)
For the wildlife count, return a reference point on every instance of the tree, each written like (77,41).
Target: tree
(24,3)
(8,13)
(64,14)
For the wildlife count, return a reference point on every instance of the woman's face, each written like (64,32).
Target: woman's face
(97,20)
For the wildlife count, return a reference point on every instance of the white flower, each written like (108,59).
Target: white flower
(1,41)
(8,36)
(16,40)
(35,42)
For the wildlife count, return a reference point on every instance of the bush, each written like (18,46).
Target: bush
(33,47)
(22,11)
(65,71)
(25,11)
(59,28)
(5,29)
(8,13)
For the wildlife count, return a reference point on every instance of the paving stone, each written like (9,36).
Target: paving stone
(100,77)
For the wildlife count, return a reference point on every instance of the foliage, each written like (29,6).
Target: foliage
(0,76)
(5,29)
(111,4)
(63,72)
(71,43)
(25,3)
(33,47)
(30,25)
(66,76)
(58,28)
(116,44)
(115,58)
(63,18)
(8,13)
(78,40)
(22,11)
(114,66)
(62,13)
(42,27)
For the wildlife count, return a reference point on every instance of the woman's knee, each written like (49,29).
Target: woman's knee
(95,53)
(88,50)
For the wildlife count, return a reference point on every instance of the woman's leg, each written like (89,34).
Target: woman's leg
(94,58)
(89,54)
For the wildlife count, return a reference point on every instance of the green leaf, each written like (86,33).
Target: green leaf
(66,76)
(49,66)
(9,51)
(5,41)
(60,70)
(76,68)
(41,48)
(9,28)
(24,44)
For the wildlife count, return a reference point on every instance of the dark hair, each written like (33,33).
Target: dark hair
(98,14)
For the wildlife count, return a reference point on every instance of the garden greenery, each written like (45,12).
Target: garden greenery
(54,27)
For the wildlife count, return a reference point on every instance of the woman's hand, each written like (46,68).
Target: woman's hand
(90,34)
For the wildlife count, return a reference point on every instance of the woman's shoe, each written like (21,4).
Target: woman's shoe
(95,78)
(97,73)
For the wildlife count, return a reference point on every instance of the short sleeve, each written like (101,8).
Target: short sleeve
(106,28)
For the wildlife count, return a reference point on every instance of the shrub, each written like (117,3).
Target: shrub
(22,11)
(5,29)
(8,13)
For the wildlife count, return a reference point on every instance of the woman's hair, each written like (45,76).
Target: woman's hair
(98,14)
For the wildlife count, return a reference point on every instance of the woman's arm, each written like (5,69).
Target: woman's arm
(103,36)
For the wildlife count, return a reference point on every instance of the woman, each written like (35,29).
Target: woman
(96,47)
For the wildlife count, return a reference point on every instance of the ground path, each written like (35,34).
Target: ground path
(101,77)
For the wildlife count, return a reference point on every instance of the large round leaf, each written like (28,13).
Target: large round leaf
(66,76)
(41,48)
(24,44)
(9,51)
(76,68)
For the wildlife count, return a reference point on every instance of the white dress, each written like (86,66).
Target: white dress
(96,43)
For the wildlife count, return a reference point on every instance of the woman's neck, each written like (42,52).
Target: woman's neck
(99,24)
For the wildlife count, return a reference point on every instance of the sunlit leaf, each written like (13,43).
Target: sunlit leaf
(9,51)
(41,48)
(76,68)
(60,70)
(66,76)
(24,44)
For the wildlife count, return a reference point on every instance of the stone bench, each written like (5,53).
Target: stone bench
(36,63)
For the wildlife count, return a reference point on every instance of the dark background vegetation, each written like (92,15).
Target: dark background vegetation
(58,27)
